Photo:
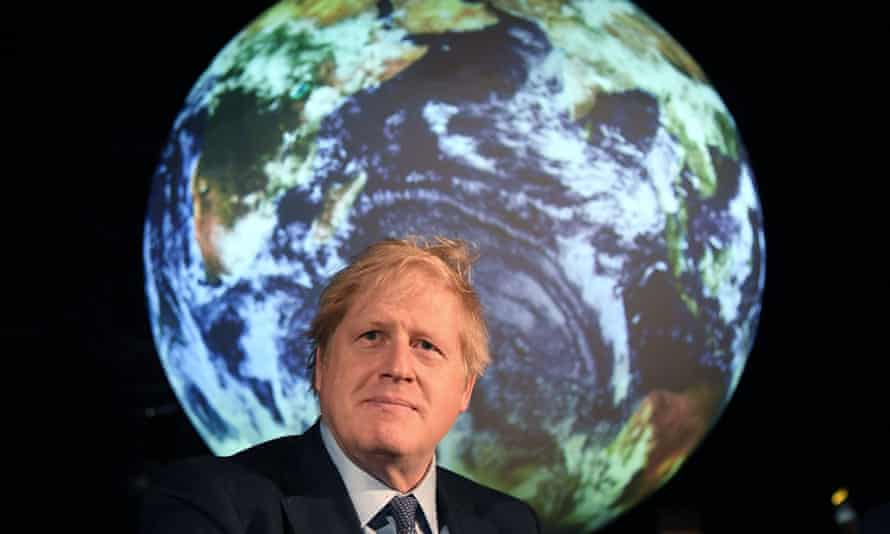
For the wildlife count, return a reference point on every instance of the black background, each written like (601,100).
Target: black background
(92,100)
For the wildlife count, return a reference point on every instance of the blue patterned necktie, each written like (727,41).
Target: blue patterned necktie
(403,510)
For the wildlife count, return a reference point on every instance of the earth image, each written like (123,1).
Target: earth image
(576,143)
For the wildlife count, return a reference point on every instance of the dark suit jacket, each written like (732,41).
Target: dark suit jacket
(291,485)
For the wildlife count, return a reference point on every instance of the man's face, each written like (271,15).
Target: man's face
(392,380)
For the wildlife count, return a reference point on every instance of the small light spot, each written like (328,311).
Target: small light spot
(839,496)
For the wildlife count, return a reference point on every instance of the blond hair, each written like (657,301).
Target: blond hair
(450,260)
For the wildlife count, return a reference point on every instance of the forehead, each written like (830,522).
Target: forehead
(413,293)
(407,284)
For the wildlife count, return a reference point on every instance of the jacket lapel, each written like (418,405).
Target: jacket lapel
(315,498)
(458,514)
(469,524)
(311,514)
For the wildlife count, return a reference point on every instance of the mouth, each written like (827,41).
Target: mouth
(385,401)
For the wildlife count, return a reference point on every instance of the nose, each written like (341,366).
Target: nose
(398,362)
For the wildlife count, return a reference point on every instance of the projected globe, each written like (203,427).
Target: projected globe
(576,143)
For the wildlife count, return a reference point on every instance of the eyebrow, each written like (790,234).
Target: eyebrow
(378,323)
(384,324)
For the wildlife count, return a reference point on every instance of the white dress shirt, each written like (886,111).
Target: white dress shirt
(370,495)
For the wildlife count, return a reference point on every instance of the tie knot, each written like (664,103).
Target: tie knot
(403,510)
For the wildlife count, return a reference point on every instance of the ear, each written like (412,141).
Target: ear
(468,393)
(318,369)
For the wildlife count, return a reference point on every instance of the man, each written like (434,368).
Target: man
(399,341)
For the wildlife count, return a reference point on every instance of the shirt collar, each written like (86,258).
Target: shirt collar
(369,495)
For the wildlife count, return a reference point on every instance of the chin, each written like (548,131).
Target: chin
(391,440)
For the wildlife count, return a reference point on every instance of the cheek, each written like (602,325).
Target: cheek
(453,393)
(347,375)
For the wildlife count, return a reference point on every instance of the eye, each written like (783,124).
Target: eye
(426,345)
(371,335)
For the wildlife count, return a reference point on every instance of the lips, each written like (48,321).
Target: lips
(387,400)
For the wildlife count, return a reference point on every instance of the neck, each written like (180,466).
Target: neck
(400,472)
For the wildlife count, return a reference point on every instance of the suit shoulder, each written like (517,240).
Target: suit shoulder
(256,470)
(227,492)
(209,476)
(268,458)
(461,485)
(508,513)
